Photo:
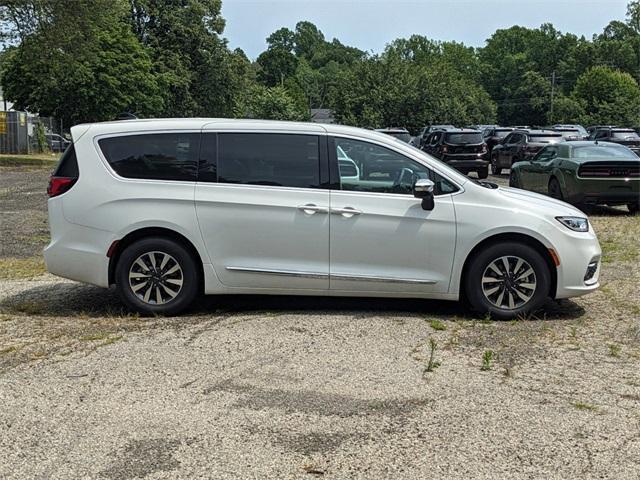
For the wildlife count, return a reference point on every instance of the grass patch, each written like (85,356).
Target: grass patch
(487,360)
(437,325)
(36,160)
(16,268)
(614,350)
(585,406)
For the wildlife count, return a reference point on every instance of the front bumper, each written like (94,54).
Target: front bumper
(576,259)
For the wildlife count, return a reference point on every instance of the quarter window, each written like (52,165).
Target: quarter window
(162,156)
(283,160)
(365,167)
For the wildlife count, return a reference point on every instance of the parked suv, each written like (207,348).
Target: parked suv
(462,149)
(495,136)
(166,209)
(425,131)
(623,136)
(521,145)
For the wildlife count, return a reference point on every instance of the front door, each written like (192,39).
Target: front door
(381,240)
(262,212)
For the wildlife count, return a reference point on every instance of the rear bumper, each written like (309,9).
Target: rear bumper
(598,192)
(76,252)
(466,162)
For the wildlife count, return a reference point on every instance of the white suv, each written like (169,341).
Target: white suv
(167,209)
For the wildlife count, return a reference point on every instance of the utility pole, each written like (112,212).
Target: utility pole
(553,91)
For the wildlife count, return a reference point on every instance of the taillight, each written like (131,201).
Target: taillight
(59,185)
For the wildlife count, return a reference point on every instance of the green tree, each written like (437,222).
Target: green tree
(79,66)
(272,103)
(608,97)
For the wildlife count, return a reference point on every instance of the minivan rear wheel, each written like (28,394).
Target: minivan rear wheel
(507,280)
(156,276)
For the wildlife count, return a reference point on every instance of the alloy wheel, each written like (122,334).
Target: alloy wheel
(156,278)
(509,282)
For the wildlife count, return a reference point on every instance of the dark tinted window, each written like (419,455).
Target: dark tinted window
(603,151)
(156,156)
(68,164)
(283,160)
(456,138)
(625,134)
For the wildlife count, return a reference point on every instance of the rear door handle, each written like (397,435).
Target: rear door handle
(346,212)
(311,208)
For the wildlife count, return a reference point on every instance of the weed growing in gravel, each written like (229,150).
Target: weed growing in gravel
(614,350)
(585,406)
(432,364)
(437,325)
(487,360)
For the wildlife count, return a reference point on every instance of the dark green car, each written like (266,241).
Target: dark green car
(583,173)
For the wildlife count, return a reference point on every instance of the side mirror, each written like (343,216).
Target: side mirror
(423,188)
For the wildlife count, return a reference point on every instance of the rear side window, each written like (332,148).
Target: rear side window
(282,160)
(68,164)
(154,156)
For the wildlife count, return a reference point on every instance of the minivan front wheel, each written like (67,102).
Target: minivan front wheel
(156,276)
(507,280)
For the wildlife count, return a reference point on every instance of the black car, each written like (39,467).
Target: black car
(425,131)
(623,136)
(521,145)
(494,136)
(399,133)
(462,149)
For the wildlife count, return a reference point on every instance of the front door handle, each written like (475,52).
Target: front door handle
(346,212)
(311,208)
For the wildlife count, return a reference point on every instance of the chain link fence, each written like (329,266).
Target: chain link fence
(24,133)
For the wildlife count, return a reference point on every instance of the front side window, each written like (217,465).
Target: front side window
(282,160)
(153,156)
(380,170)
(547,154)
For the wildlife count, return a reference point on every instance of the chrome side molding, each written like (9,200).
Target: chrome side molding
(337,276)
(289,273)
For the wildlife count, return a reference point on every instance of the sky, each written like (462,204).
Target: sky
(370,24)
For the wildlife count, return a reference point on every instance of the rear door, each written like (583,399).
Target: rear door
(381,240)
(263,209)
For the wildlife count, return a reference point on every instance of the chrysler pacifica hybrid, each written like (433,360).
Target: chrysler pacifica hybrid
(167,209)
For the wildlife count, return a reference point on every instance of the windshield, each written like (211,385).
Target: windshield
(404,136)
(465,138)
(625,135)
(545,138)
(603,151)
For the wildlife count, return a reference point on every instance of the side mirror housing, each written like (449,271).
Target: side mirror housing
(423,189)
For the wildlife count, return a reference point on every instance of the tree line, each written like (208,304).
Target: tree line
(169,58)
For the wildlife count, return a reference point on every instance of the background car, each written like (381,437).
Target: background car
(494,136)
(571,134)
(564,126)
(57,143)
(582,173)
(520,145)
(425,131)
(465,150)
(623,136)
(399,133)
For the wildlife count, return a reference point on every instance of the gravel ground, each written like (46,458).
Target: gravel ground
(294,387)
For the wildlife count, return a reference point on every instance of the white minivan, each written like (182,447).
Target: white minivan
(167,209)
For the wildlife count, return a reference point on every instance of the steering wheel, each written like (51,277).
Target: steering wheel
(403,181)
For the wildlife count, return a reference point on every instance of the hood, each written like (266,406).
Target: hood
(531,200)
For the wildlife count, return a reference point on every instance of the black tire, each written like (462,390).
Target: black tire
(498,307)
(555,190)
(155,247)
(513,179)
(634,208)
(483,173)
(495,169)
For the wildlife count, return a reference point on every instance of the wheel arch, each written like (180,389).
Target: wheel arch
(511,237)
(135,235)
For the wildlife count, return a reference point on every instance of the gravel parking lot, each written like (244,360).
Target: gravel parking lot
(294,387)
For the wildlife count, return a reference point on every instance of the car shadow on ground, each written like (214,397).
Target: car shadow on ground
(66,299)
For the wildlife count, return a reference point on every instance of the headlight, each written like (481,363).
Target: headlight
(577,224)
